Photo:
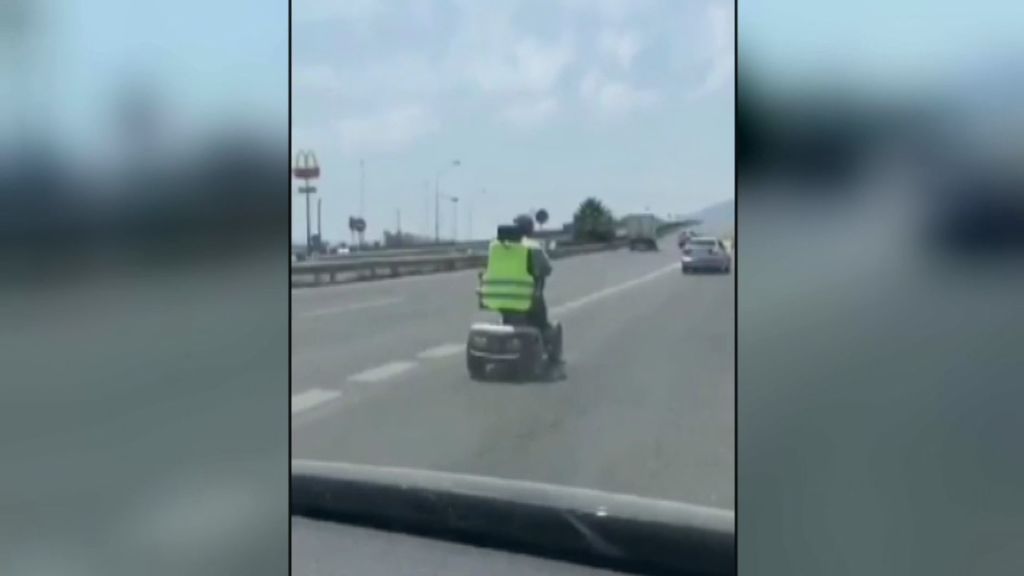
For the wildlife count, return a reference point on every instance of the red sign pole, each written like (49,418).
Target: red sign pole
(306,169)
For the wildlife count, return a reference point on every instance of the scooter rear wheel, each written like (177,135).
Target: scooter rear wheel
(476,366)
(556,346)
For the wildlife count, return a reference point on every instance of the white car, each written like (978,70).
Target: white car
(705,253)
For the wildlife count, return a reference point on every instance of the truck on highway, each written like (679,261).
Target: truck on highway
(642,231)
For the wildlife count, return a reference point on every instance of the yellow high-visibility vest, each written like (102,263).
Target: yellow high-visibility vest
(507,284)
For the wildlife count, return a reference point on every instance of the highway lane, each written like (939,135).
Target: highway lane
(647,406)
(338,331)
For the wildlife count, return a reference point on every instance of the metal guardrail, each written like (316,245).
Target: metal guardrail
(403,252)
(321,271)
(450,248)
(391,252)
(444,248)
(394,263)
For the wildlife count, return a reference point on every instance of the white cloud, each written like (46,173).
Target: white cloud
(610,11)
(320,10)
(403,75)
(317,78)
(520,73)
(621,47)
(386,131)
(720,19)
(302,138)
(614,98)
(498,57)
(530,114)
(526,66)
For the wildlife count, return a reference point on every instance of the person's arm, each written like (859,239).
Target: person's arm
(541,263)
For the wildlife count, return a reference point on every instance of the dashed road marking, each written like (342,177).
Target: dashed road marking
(383,371)
(351,307)
(443,350)
(316,396)
(312,398)
(611,290)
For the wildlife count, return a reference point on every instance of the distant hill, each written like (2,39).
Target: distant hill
(717,218)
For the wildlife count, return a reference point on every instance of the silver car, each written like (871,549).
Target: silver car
(705,253)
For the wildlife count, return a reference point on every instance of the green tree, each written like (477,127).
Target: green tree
(593,222)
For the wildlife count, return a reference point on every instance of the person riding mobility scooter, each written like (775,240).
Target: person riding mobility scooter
(524,343)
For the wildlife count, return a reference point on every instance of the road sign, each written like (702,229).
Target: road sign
(306,166)
(541,216)
(307,189)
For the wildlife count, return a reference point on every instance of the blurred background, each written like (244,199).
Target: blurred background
(144,311)
(144,317)
(881,204)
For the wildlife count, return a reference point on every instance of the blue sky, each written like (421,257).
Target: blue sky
(544,102)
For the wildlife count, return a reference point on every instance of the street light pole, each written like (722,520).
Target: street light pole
(309,231)
(455,218)
(455,215)
(469,209)
(307,191)
(437,200)
(362,188)
(426,208)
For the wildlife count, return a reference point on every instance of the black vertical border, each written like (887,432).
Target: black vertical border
(736,279)
(288,291)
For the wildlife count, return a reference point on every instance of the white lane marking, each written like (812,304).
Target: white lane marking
(443,350)
(311,398)
(609,291)
(391,369)
(351,307)
(383,371)
(453,348)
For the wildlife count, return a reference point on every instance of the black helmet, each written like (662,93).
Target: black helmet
(525,223)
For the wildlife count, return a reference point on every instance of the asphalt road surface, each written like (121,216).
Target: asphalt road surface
(647,407)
